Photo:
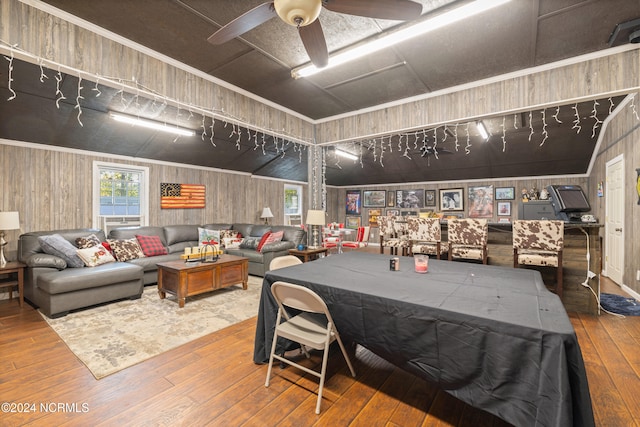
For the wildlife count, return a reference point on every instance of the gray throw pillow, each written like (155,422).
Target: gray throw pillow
(57,245)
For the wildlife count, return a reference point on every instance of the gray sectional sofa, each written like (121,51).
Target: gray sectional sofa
(57,289)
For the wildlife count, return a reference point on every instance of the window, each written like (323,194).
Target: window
(120,195)
(292,204)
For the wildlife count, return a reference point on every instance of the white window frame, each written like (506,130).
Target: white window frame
(288,216)
(97,219)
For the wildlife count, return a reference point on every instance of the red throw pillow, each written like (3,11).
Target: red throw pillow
(265,236)
(151,245)
(107,246)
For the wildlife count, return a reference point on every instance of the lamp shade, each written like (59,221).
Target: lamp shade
(266,213)
(315,217)
(9,221)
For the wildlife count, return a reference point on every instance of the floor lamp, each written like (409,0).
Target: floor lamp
(8,221)
(315,218)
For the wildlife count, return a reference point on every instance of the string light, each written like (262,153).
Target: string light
(504,141)
(96,88)
(467,148)
(59,95)
(555,116)
(42,74)
(633,107)
(13,92)
(576,122)
(78,98)
(594,115)
(544,128)
(530,125)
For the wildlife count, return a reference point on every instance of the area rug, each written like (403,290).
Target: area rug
(620,304)
(115,336)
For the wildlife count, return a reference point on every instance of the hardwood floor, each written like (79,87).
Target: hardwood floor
(213,381)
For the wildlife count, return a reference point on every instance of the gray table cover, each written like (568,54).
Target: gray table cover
(494,337)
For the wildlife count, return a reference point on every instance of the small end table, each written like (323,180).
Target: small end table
(16,268)
(308,254)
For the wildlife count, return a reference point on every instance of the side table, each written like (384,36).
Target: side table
(11,268)
(308,254)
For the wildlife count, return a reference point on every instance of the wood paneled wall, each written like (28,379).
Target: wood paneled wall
(618,73)
(622,138)
(54,39)
(53,190)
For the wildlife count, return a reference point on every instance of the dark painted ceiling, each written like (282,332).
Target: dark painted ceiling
(519,35)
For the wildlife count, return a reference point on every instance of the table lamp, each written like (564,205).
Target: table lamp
(8,221)
(266,214)
(316,218)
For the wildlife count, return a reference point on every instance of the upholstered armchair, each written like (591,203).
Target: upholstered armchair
(539,243)
(468,239)
(393,234)
(425,236)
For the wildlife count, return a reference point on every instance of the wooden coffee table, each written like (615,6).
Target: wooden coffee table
(185,279)
(308,254)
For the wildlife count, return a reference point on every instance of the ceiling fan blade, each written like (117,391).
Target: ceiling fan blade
(243,23)
(397,10)
(313,40)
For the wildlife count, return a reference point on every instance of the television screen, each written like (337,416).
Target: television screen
(536,209)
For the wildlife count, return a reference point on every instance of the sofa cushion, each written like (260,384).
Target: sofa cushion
(249,243)
(180,233)
(259,230)
(87,241)
(151,245)
(126,249)
(244,229)
(57,245)
(46,261)
(131,232)
(74,279)
(95,256)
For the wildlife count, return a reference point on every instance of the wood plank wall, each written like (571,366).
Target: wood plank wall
(53,190)
(621,138)
(54,39)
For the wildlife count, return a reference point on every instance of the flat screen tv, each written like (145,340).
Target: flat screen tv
(568,201)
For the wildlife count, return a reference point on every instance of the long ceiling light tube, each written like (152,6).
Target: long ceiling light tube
(135,121)
(401,35)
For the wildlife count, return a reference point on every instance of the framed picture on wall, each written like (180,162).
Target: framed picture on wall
(353,202)
(481,201)
(373,217)
(393,212)
(374,199)
(504,208)
(410,199)
(352,222)
(451,199)
(430,197)
(505,193)
(391,199)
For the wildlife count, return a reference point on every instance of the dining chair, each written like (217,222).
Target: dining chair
(539,242)
(307,328)
(331,238)
(393,234)
(362,239)
(425,236)
(467,239)
(284,261)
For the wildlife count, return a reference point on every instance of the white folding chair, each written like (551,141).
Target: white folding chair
(284,261)
(307,328)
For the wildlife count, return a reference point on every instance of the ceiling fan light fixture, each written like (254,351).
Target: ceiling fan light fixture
(298,13)
(406,33)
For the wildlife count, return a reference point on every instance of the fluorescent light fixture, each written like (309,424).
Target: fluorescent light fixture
(346,154)
(401,35)
(483,130)
(152,125)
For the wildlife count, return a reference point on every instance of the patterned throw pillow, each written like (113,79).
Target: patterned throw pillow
(211,237)
(273,238)
(87,241)
(228,234)
(151,245)
(96,255)
(231,242)
(57,245)
(263,240)
(126,249)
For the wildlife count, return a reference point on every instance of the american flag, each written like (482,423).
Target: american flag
(181,196)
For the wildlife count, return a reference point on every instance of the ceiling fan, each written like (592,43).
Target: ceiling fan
(303,14)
